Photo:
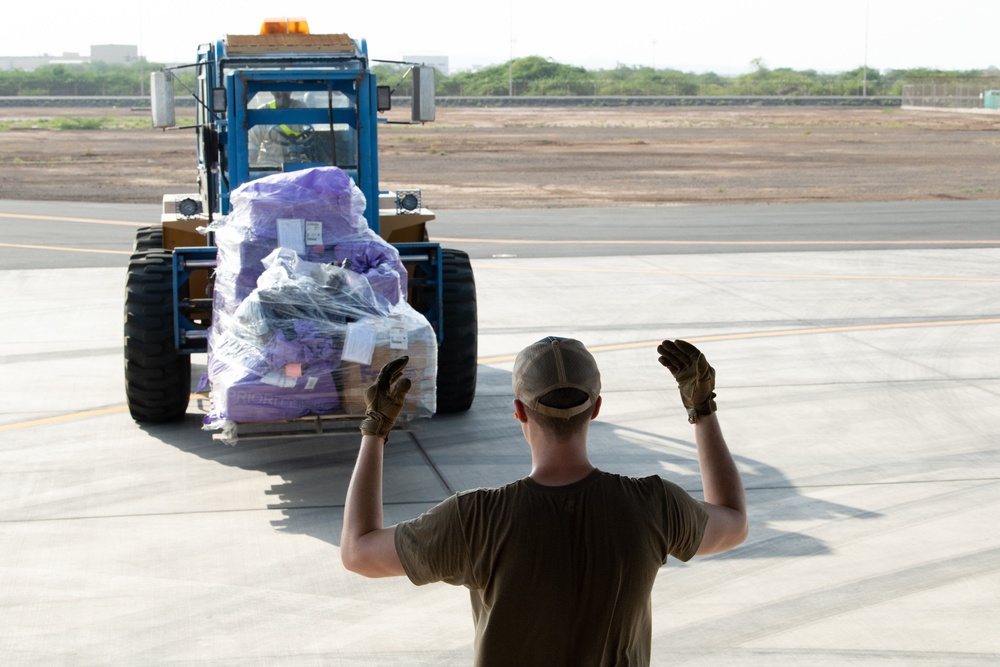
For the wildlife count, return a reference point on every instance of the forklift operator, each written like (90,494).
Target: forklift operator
(271,146)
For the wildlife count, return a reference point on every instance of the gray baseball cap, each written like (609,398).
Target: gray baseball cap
(555,363)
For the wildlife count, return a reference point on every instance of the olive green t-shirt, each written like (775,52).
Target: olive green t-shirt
(557,575)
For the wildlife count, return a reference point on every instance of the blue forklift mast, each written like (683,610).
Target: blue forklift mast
(317,99)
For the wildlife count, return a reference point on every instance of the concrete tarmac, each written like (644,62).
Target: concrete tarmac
(859,391)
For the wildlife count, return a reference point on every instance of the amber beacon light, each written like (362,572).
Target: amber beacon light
(284,26)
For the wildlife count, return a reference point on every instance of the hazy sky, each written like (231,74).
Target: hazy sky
(694,35)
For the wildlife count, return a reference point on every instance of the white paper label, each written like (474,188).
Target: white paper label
(292,234)
(314,233)
(311,383)
(398,339)
(359,344)
(277,379)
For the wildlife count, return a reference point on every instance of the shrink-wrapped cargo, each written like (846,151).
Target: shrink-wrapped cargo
(308,305)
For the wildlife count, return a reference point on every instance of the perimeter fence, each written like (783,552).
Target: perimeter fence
(956,94)
(403,101)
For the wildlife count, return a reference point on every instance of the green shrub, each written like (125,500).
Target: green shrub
(75,123)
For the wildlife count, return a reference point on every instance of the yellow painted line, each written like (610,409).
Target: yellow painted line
(73,416)
(54,247)
(595,349)
(56,218)
(569,242)
(58,419)
(743,274)
(765,334)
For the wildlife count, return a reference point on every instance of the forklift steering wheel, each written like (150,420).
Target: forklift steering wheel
(291,137)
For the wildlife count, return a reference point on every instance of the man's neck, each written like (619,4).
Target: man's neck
(561,475)
(559,463)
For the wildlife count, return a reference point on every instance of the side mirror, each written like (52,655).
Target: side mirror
(383,98)
(423,94)
(161,99)
(219,101)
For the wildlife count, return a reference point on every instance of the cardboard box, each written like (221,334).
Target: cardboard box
(419,343)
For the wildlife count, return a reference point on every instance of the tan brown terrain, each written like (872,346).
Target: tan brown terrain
(569,157)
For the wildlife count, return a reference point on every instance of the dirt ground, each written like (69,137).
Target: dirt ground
(557,157)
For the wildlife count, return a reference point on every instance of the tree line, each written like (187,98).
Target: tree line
(529,76)
(536,76)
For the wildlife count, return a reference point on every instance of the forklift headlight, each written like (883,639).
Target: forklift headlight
(188,207)
(407,201)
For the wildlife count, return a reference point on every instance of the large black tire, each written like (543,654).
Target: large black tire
(157,377)
(148,238)
(458,352)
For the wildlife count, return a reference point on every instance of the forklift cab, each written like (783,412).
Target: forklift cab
(276,141)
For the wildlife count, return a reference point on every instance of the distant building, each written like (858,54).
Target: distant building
(30,63)
(440,63)
(115,54)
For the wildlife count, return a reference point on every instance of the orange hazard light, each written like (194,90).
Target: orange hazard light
(284,26)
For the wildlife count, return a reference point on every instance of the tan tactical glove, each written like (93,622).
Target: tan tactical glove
(385,401)
(695,378)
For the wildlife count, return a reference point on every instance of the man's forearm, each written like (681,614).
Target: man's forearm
(366,547)
(719,475)
(363,507)
(725,500)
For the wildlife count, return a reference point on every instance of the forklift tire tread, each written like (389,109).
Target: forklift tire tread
(458,352)
(157,377)
(148,238)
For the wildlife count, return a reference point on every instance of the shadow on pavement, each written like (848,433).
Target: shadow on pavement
(484,447)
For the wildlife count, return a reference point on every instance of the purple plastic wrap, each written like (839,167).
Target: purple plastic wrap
(327,195)
(317,212)
(251,401)
(307,300)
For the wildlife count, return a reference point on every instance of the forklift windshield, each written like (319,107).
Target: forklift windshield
(279,143)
